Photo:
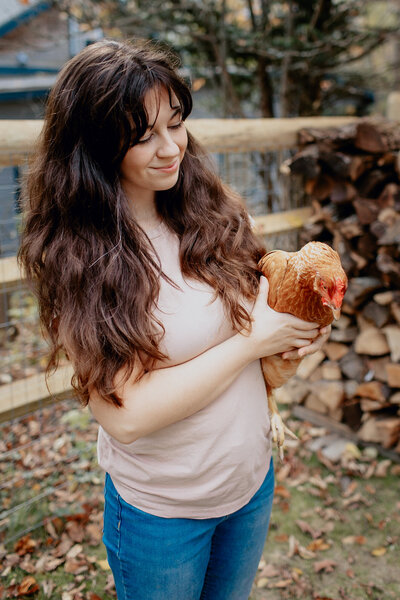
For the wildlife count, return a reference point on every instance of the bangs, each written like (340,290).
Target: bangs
(137,114)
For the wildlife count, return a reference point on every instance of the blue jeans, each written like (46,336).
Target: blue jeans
(155,558)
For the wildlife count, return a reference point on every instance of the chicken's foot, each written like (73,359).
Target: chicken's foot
(278,427)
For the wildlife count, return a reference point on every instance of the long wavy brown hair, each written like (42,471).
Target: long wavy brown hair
(94,270)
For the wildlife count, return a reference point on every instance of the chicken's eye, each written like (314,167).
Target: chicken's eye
(323,285)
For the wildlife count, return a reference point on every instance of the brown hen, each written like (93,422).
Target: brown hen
(309,284)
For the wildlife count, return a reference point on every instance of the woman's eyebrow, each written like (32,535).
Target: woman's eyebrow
(176,109)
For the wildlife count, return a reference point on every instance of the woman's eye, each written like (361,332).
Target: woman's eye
(173,126)
(145,140)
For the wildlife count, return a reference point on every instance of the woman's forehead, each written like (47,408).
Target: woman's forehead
(160,98)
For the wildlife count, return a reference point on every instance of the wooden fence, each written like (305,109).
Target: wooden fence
(17,140)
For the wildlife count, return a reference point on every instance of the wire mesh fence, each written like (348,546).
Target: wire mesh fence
(257,177)
(44,453)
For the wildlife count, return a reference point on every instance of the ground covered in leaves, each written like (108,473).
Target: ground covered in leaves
(334,534)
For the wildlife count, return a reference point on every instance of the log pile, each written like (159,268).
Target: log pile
(352,178)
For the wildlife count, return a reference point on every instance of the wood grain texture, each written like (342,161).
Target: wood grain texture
(18,137)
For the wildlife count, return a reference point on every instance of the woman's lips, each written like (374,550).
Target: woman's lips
(168,168)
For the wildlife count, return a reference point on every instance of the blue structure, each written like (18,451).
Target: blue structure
(20,81)
(36,42)
(15,13)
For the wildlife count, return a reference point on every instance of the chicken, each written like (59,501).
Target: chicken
(309,284)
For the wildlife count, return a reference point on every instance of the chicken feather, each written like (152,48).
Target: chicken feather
(309,284)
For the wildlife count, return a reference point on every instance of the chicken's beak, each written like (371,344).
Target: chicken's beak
(336,313)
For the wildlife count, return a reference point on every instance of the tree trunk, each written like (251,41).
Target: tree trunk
(233,108)
(266,89)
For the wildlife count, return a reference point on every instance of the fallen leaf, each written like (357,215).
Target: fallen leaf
(306,528)
(24,545)
(378,551)
(382,468)
(369,517)
(284,506)
(27,565)
(262,564)
(350,489)
(354,539)
(52,563)
(48,587)
(326,565)
(269,571)
(63,547)
(103,564)
(282,583)
(351,450)
(326,462)
(28,586)
(296,574)
(75,566)
(305,553)
(319,544)
(94,533)
(75,531)
(318,482)
(262,582)
(281,537)
(283,472)
(316,492)
(293,546)
(281,491)
(74,551)
(296,548)
(58,524)
(355,499)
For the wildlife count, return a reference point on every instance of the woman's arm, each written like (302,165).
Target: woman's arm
(165,396)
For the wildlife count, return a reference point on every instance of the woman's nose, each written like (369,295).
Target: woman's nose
(168,146)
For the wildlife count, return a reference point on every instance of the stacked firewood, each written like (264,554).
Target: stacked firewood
(352,178)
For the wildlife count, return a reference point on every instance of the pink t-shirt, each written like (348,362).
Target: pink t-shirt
(211,463)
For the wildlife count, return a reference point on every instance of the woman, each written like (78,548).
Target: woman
(145,269)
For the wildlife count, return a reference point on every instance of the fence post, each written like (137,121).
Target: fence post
(393,106)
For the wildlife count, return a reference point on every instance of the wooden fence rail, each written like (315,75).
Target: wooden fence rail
(17,140)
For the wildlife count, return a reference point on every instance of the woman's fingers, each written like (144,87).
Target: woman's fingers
(303,325)
(326,331)
(309,334)
(263,289)
(300,352)
(309,347)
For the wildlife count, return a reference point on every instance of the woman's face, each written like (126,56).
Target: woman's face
(153,164)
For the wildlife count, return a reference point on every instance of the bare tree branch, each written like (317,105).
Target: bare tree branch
(252,15)
(316,37)
(284,87)
(317,13)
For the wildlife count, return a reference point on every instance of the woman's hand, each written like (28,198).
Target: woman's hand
(274,332)
(316,345)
